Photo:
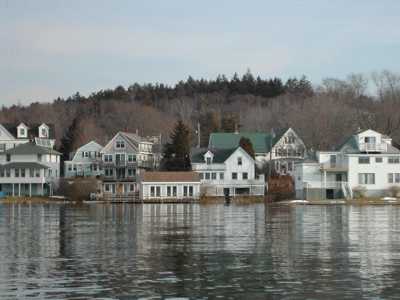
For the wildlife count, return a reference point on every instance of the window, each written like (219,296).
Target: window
(332,161)
(2,147)
(174,191)
(234,175)
(44,132)
(366,178)
(239,161)
(393,160)
(158,191)
(363,160)
(168,191)
(208,160)
(74,167)
(8,172)
(2,172)
(22,172)
(107,187)
(69,167)
(132,187)
(31,172)
(221,176)
(22,132)
(131,172)
(207,176)
(94,167)
(378,159)
(290,166)
(185,191)
(244,175)
(120,144)
(16,172)
(37,172)
(108,172)
(39,157)
(152,191)
(190,191)
(394,177)
(108,157)
(213,176)
(131,158)
(86,154)
(201,175)
(8,157)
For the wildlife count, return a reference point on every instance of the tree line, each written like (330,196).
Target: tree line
(323,115)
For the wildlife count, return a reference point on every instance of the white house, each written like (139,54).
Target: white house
(367,161)
(228,172)
(29,170)
(123,158)
(284,149)
(169,185)
(85,162)
(12,135)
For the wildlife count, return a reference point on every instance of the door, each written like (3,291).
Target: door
(330,194)
(226,192)
(339,178)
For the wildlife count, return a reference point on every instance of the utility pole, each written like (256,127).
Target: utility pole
(198,134)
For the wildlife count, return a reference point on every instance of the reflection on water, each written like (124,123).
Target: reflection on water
(197,252)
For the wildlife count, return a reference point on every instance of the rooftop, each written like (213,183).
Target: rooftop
(170,177)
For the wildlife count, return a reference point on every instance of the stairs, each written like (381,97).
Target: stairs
(347,191)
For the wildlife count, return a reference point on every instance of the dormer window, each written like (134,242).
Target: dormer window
(44,132)
(22,132)
(208,160)
(120,144)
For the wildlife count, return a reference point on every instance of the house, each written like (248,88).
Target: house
(29,170)
(283,149)
(366,162)
(123,158)
(169,186)
(85,162)
(227,172)
(12,135)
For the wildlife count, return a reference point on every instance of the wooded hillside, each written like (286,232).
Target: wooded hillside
(323,115)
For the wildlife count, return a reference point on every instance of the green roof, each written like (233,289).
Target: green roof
(261,141)
(220,155)
(24,165)
(351,143)
(30,148)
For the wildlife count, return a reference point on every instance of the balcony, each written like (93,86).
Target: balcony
(324,185)
(339,166)
(373,147)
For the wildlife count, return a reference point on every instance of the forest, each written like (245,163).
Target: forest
(323,114)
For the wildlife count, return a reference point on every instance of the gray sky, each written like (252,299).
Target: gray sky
(53,48)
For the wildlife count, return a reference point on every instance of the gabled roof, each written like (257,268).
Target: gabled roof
(350,143)
(170,177)
(261,141)
(220,155)
(33,130)
(30,148)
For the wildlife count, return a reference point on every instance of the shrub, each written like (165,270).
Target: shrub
(394,191)
(359,192)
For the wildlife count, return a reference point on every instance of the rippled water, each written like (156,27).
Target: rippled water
(199,252)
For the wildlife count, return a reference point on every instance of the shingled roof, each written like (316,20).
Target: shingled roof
(220,155)
(261,141)
(33,130)
(30,148)
(170,177)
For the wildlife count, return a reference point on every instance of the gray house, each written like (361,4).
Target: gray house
(85,162)
(123,158)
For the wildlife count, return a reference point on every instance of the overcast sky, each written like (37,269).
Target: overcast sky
(51,48)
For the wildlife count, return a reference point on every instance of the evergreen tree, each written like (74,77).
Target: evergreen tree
(247,146)
(177,151)
(67,142)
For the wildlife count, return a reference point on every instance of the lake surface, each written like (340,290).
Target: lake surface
(199,252)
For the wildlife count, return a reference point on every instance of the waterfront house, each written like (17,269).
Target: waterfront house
(85,161)
(367,163)
(169,186)
(123,158)
(227,172)
(29,170)
(12,135)
(283,149)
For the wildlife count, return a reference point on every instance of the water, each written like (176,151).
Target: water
(199,252)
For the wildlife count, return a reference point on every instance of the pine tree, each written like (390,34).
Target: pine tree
(247,146)
(177,151)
